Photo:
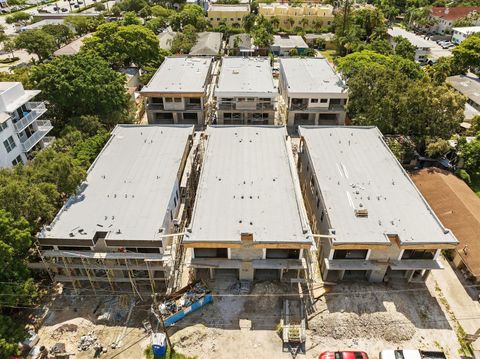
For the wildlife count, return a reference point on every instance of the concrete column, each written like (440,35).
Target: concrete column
(210,272)
(437,254)
(368,254)
(281,274)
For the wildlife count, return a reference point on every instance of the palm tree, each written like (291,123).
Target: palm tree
(274,20)
(291,21)
(317,24)
(304,22)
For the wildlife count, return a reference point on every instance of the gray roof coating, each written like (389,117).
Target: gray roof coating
(248,76)
(165,39)
(310,75)
(248,184)
(180,75)
(244,42)
(414,39)
(466,85)
(128,187)
(208,44)
(289,42)
(356,170)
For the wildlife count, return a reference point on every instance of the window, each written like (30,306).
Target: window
(9,144)
(314,100)
(323,100)
(350,254)
(177,99)
(3,126)
(17,160)
(210,252)
(168,99)
(418,254)
(283,253)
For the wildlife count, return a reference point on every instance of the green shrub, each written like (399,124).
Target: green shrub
(464,176)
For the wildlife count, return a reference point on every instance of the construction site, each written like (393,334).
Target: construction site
(205,238)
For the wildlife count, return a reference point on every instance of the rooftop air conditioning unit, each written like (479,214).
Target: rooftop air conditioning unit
(361,212)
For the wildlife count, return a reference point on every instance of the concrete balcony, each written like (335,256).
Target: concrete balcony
(155,107)
(28,143)
(245,106)
(35,110)
(305,107)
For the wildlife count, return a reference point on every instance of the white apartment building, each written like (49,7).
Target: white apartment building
(461,33)
(313,93)
(21,130)
(422,46)
(245,93)
(374,221)
(249,221)
(116,231)
(177,93)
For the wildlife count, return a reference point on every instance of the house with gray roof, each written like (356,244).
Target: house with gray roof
(208,44)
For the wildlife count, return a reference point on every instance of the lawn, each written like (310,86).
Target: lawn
(330,55)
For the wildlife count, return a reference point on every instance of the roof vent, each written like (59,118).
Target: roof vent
(363,213)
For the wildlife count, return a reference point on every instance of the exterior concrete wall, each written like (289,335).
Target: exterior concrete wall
(246,254)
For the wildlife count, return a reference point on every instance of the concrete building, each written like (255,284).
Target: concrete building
(306,16)
(461,33)
(21,130)
(283,44)
(245,93)
(229,14)
(116,230)
(208,44)
(469,86)
(177,93)
(446,16)
(249,221)
(313,93)
(376,224)
(423,46)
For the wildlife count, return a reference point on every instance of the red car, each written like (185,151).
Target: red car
(343,355)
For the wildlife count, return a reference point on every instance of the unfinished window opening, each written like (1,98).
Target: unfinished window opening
(419,254)
(148,250)
(283,253)
(350,254)
(157,100)
(195,100)
(65,248)
(211,252)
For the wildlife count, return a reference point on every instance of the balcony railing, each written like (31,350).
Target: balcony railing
(44,127)
(232,106)
(36,109)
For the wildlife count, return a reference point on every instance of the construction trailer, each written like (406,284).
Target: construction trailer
(123,226)
(248,221)
(372,222)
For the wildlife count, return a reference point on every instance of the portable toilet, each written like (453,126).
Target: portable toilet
(159,344)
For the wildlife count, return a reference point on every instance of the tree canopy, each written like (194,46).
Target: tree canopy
(37,42)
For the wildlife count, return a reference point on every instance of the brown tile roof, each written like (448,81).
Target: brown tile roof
(457,207)
(453,13)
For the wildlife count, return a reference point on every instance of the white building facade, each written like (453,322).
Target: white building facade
(245,93)
(313,93)
(461,33)
(21,130)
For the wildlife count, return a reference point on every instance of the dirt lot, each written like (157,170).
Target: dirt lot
(355,315)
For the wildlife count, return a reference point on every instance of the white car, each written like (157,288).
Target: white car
(411,354)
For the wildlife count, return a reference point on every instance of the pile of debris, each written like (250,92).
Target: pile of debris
(86,341)
(175,304)
(241,287)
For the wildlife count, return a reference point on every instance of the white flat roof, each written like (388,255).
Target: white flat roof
(356,170)
(249,76)
(128,187)
(310,75)
(228,8)
(414,39)
(467,30)
(248,184)
(289,41)
(180,75)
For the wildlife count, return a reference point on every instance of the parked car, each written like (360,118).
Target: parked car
(64,9)
(411,354)
(344,355)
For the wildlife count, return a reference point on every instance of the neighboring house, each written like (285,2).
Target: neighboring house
(313,93)
(249,221)
(469,86)
(21,130)
(446,16)
(458,207)
(422,46)
(245,93)
(229,14)
(116,230)
(132,76)
(208,44)
(304,16)
(241,45)
(374,222)
(165,39)
(283,44)
(327,39)
(461,33)
(177,93)
(72,48)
